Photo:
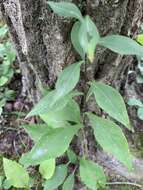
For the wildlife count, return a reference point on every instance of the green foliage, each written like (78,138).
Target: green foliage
(7,55)
(110,101)
(47,168)
(51,145)
(64,119)
(111,139)
(69,183)
(92,175)
(17,175)
(57,179)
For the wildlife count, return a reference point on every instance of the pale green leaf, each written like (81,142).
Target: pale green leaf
(36,131)
(92,175)
(69,183)
(75,39)
(140,113)
(14,172)
(70,112)
(66,9)
(47,168)
(7,184)
(111,139)
(57,179)
(51,145)
(122,45)
(140,39)
(111,102)
(135,102)
(68,79)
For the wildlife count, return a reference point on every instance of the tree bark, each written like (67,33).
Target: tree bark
(42,42)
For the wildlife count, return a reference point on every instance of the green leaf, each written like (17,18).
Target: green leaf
(75,39)
(111,102)
(111,139)
(14,172)
(1,111)
(3,31)
(72,156)
(70,112)
(51,145)
(47,168)
(140,39)
(66,9)
(122,45)
(68,79)
(7,184)
(92,175)
(51,102)
(1,181)
(36,131)
(3,80)
(88,37)
(57,179)
(69,183)
(135,102)
(140,113)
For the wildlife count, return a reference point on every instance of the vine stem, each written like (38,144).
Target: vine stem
(125,183)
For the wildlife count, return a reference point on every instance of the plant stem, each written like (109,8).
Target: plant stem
(125,183)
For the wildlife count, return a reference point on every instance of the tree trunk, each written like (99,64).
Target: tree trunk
(42,41)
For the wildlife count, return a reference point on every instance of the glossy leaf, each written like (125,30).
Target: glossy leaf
(57,179)
(140,113)
(88,37)
(36,131)
(75,39)
(66,9)
(47,168)
(135,102)
(111,139)
(122,45)
(92,175)
(14,172)
(111,102)
(68,79)
(51,145)
(69,183)
(70,112)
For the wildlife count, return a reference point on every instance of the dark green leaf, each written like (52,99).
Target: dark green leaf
(111,139)
(122,45)
(92,175)
(57,179)
(51,145)
(111,102)
(66,9)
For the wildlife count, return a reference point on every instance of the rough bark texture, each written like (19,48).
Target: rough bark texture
(42,41)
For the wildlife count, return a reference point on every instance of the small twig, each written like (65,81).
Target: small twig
(125,183)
